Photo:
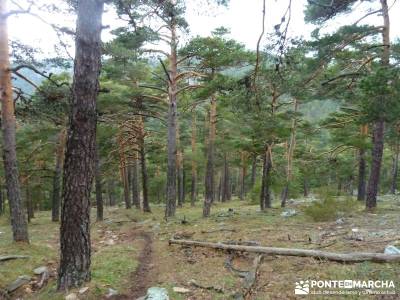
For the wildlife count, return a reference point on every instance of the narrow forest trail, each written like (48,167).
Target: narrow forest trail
(144,276)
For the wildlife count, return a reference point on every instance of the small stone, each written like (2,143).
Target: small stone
(289,213)
(181,290)
(83,290)
(40,270)
(339,221)
(110,242)
(111,293)
(157,293)
(71,296)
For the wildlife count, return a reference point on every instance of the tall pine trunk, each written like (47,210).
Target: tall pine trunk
(209,180)
(1,201)
(226,186)
(265,194)
(111,192)
(170,207)
(146,204)
(362,169)
(123,168)
(8,124)
(253,171)
(29,205)
(75,247)
(379,125)
(179,169)
(99,188)
(242,190)
(135,183)
(193,190)
(56,195)
(290,154)
(395,168)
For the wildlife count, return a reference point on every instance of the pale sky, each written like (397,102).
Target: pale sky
(242,17)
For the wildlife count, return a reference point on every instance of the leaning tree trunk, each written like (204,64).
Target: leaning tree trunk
(79,163)
(170,207)
(265,195)
(193,190)
(209,180)
(99,188)
(56,196)
(8,124)
(379,125)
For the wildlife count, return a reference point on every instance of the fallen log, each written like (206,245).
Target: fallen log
(10,257)
(339,257)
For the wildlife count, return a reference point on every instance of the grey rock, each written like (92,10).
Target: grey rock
(111,293)
(289,213)
(40,270)
(157,293)
(20,281)
(390,249)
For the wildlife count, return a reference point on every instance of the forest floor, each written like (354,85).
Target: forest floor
(131,251)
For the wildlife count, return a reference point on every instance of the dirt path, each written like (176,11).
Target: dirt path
(143,277)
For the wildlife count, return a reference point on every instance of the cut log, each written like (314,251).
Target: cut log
(339,257)
(10,257)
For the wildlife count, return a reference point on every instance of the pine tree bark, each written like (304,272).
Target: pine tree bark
(179,168)
(193,191)
(243,171)
(226,186)
(305,187)
(253,171)
(125,183)
(99,188)
(123,168)
(395,169)
(1,201)
(135,184)
(8,124)
(111,193)
(172,123)
(379,125)
(56,195)
(265,195)
(29,204)
(75,248)
(146,204)
(362,169)
(209,180)
(290,154)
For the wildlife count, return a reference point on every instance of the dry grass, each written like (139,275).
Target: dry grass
(175,265)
